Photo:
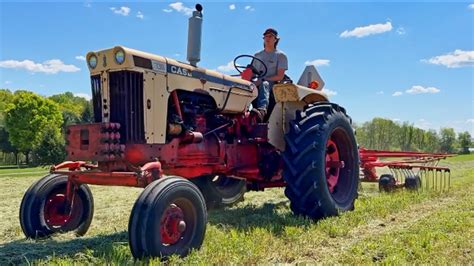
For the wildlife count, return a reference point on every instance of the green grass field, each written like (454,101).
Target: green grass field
(418,228)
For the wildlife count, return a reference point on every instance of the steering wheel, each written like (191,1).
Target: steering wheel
(241,68)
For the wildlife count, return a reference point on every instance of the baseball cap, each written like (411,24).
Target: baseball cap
(271,31)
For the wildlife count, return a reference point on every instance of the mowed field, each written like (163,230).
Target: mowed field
(403,227)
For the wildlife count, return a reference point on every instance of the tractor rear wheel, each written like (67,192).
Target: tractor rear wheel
(221,191)
(169,217)
(45,211)
(321,162)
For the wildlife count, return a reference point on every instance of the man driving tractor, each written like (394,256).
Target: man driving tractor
(276,63)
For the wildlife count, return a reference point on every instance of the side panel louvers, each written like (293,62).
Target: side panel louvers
(126,104)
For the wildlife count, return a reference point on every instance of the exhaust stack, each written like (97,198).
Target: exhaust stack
(194,36)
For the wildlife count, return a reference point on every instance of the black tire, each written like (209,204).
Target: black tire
(387,183)
(321,131)
(413,183)
(42,206)
(221,191)
(152,207)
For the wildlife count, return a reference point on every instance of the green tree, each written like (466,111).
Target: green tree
(88,113)
(26,118)
(447,140)
(431,141)
(51,149)
(6,146)
(72,107)
(464,140)
(6,97)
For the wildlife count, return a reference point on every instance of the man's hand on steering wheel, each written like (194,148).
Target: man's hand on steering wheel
(256,74)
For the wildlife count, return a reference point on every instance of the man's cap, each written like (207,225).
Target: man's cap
(271,31)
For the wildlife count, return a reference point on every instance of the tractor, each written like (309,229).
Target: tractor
(187,135)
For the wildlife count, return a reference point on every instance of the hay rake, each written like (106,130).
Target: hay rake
(410,170)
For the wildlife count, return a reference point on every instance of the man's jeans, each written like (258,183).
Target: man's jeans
(263,94)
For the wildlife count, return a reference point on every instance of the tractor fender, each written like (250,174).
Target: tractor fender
(288,99)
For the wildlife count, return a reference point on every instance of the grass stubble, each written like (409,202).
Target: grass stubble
(403,227)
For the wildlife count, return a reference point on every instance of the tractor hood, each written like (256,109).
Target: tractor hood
(123,58)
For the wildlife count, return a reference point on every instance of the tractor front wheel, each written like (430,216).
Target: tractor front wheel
(169,217)
(321,162)
(45,210)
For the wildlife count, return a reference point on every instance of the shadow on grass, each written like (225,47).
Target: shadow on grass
(114,247)
(269,216)
(84,249)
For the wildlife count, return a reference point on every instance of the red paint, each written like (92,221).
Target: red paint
(333,164)
(55,213)
(247,74)
(172,225)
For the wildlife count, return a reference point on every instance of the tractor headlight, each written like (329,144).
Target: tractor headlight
(119,56)
(92,61)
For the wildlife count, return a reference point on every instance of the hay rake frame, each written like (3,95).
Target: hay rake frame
(418,167)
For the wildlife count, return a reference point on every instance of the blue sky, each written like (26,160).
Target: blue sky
(403,61)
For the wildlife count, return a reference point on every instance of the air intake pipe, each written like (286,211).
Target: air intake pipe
(194,36)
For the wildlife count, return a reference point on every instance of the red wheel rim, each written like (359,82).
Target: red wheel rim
(172,225)
(333,164)
(55,210)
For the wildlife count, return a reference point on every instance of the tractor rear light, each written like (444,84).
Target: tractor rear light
(313,85)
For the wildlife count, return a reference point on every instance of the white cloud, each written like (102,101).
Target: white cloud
(167,10)
(80,57)
(401,31)
(52,66)
(471,6)
(178,6)
(471,121)
(397,93)
(8,82)
(232,7)
(379,92)
(249,8)
(318,62)
(83,95)
(124,11)
(364,31)
(396,120)
(226,68)
(329,92)
(458,58)
(422,90)
(140,15)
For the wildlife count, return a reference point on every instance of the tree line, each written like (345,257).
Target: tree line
(32,126)
(385,134)
(32,129)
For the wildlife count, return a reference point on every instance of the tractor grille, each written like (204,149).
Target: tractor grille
(96,98)
(126,104)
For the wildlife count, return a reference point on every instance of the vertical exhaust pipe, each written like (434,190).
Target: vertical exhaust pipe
(194,36)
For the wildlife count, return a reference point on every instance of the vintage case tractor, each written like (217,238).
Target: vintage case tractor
(187,135)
